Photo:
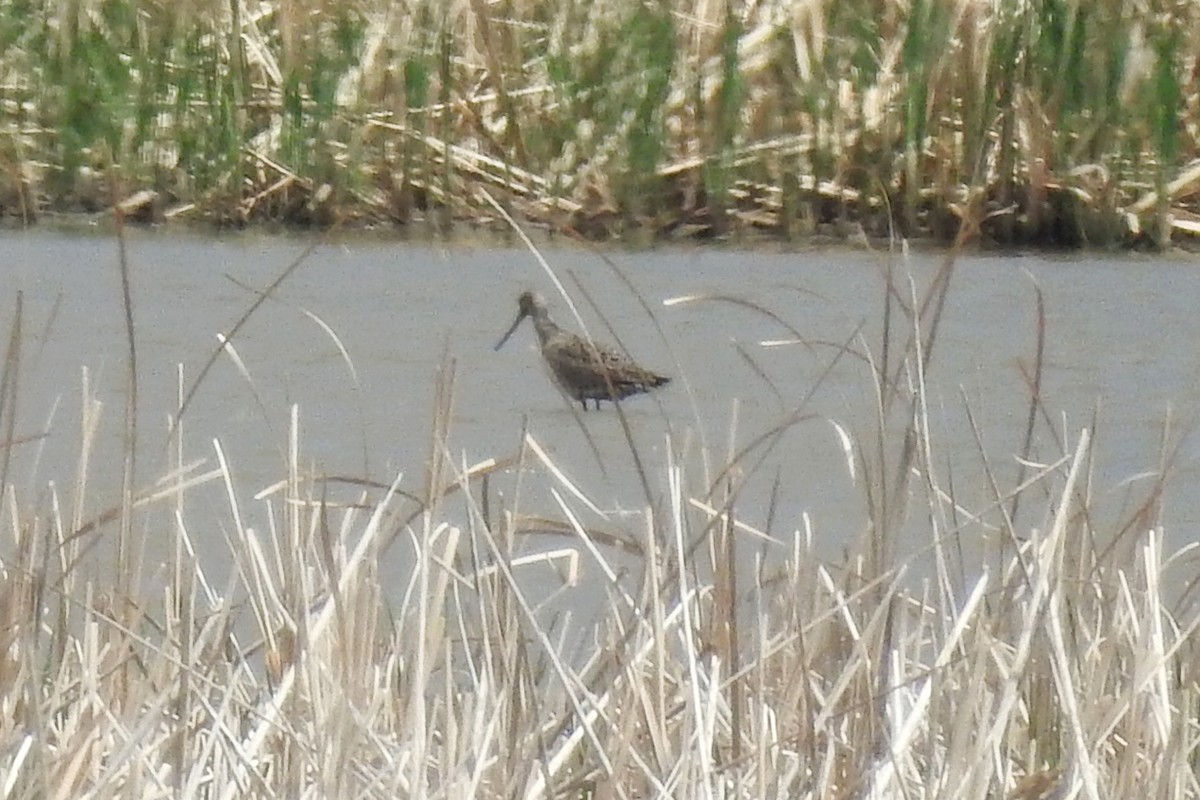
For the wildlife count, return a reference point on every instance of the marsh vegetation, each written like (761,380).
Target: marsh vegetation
(1076,121)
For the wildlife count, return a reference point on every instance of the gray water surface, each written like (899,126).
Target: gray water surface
(1120,348)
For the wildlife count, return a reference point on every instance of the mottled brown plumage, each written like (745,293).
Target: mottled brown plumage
(584,371)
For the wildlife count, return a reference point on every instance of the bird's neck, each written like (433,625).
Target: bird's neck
(545,327)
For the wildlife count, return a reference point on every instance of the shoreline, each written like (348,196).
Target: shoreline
(496,233)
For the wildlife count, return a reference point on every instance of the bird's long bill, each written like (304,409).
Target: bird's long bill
(509,333)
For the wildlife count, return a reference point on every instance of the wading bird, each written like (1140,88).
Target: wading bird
(585,371)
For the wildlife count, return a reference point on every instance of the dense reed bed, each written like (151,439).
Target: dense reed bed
(1077,120)
(1061,667)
